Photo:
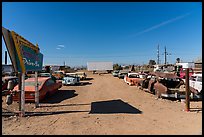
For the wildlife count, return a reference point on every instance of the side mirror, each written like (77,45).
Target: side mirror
(10,85)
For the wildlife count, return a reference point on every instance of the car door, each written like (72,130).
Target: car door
(49,86)
(198,83)
(192,81)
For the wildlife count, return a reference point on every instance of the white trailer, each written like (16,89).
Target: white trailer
(100,66)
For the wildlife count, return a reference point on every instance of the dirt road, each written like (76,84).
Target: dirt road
(105,105)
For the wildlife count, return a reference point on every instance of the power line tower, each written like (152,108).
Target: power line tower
(158,54)
(165,54)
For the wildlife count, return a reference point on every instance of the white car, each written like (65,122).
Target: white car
(195,82)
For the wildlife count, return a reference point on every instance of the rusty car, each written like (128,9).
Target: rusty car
(169,85)
(148,83)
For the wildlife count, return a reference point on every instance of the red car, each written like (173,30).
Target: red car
(133,79)
(47,86)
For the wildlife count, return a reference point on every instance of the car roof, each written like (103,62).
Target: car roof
(131,73)
(200,74)
(80,72)
(70,73)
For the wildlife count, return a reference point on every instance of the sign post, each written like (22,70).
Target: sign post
(36,90)
(187,90)
(23,96)
(19,88)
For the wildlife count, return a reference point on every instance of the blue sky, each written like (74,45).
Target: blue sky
(121,32)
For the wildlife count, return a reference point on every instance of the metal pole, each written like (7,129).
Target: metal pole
(6,57)
(187,90)
(19,88)
(165,55)
(36,90)
(158,54)
(23,96)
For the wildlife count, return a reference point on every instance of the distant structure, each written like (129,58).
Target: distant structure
(100,66)
(165,54)
(158,54)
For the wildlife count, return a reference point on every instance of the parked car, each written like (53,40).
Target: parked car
(58,74)
(70,80)
(115,73)
(82,75)
(195,83)
(47,86)
(73,75)
(5,81)
(131,78)
(148,83)
(47,75)
(122,74)
(169,85)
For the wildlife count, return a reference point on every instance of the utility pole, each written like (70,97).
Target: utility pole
(165,54)
(158,54)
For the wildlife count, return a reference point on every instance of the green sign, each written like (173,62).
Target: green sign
(32,61)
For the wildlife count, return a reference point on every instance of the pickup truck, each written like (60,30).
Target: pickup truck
(195,83)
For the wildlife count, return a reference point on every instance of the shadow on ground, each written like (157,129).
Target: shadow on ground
(61,105)
(85,83)
(59,96)
(113,106)
(8,114)
(89,79)
(51,113)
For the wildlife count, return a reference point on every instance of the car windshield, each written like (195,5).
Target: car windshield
(133,76)
(116,71)
(44,75)
(199,79)
(32,83)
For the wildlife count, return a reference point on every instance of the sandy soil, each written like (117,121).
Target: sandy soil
(104,105)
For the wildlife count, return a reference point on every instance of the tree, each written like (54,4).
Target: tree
(152,62)
(117,67)
(178,60)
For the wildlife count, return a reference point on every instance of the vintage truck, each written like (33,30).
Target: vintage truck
(195,83)
(169,85)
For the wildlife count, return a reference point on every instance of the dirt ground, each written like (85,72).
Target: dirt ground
(104,105)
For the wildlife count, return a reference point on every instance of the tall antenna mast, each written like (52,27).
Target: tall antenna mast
(158,54)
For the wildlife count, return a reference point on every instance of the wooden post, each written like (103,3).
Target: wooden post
(36,90)
(23,96)
(19,88)
(187,90)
